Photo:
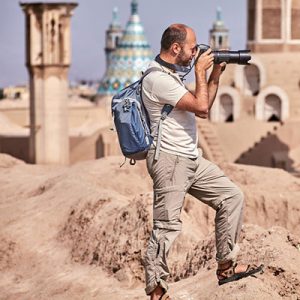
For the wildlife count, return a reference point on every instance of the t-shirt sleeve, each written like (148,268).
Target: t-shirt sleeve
(167,90)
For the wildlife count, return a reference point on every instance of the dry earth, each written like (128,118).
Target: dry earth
(80,232)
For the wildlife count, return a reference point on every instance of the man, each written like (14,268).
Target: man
(180,167)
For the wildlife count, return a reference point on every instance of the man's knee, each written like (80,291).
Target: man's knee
(239,197)
(233,201)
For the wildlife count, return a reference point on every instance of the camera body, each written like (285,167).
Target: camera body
(240,57)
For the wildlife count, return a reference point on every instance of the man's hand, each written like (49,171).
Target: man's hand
(219,68)
(205,61)
(217,71)
(223,66)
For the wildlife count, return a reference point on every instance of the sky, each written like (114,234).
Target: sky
(92,17)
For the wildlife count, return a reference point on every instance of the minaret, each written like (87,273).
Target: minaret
(219,38)
(273,26)
(131,57)
(48,57)
(113,36)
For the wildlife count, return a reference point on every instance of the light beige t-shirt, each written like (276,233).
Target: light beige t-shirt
(179,131)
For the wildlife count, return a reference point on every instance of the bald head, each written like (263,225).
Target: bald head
(178,45)
(175,33)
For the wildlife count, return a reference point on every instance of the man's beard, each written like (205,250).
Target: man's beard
(182,59)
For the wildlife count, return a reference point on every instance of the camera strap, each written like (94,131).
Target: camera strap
(174,67)
(177,68)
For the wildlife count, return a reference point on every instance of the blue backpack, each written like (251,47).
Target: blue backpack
(132,121)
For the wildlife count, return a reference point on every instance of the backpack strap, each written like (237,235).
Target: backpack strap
(167,108)
(148,71)
(164,113)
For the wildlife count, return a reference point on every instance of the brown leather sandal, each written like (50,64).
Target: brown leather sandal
(165,296)
(229,274)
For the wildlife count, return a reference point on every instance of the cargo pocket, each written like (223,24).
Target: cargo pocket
(170,168)
(168,203)
(162,171)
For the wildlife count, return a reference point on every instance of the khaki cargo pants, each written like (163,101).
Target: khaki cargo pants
(174,176)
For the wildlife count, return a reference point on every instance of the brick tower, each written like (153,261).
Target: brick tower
(273,25)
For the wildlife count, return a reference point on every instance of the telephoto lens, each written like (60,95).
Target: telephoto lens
(240,57)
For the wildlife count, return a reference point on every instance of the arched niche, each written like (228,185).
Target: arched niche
(272,102)
(272,108)
(226,107)
(250,79)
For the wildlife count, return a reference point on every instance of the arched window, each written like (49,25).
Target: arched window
(272,108)
(117,41)
(252,77)
(226,108)
(220,40)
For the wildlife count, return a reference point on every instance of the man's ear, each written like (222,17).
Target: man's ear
(176,48)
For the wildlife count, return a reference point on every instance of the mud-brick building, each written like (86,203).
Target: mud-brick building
(256,115)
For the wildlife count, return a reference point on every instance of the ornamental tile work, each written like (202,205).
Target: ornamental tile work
(131,56)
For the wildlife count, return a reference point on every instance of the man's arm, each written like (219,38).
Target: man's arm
(205,92)
(199,103)
(213,81)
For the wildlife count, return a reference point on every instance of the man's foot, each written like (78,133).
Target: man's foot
(230,272)
(159,294)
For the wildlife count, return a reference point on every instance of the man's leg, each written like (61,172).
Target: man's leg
(171,176)
(156,267)
(212,187)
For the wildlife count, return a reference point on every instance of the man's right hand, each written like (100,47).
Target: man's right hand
(205,61)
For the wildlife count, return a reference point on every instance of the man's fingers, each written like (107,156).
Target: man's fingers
(223,66)
(207,52)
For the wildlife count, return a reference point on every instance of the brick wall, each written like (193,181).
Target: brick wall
(251,19)
(272,14)
(295,19)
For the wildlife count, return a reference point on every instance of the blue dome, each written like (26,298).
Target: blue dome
(132,56)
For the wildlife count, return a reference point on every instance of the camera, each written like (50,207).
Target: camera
(240,57)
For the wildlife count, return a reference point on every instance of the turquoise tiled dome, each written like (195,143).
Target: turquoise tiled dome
(131,57)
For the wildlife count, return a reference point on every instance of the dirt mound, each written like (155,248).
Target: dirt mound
(279,251)
(90,237)
(276,248)
(7,161)
(80,232)
(271,195)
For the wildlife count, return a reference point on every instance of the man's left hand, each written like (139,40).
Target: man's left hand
(220,67)
(223,66)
